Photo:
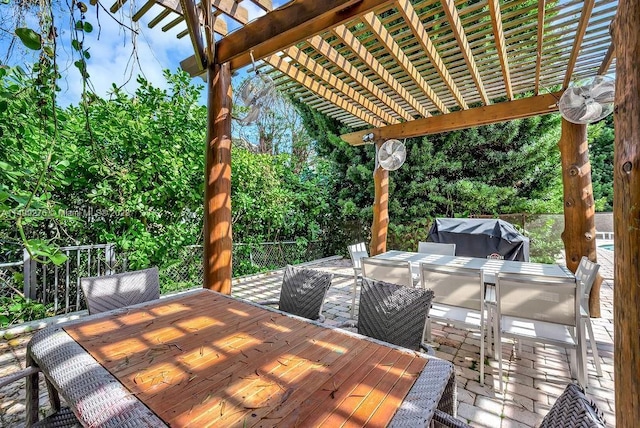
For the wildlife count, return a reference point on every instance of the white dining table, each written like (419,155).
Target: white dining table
(491,267)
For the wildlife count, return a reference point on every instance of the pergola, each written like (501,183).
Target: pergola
(407,68)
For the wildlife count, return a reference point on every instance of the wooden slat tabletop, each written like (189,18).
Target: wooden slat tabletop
(205,359)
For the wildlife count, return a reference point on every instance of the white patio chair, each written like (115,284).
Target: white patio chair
(586,274)
(458,299)
(540,309)
(104,293)
(356,252)
(392,271)
(437,248)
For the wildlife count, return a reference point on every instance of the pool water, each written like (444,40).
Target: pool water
(607,247)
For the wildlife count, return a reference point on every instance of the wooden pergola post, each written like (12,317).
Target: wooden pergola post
(579,234)
(217,219)
(626,211)
(380,223)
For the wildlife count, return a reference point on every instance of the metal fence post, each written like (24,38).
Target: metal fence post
(29,273)
(110,257)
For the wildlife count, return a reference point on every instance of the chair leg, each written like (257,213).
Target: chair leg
(426,334)
(498,348)
(353,295)
(482,329)
(594,346)
(582,356)
(32,395)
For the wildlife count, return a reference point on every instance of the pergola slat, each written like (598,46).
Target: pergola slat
(389,43)
(456,26)
(304,60)
(427,45)
(540,42)
(334,56)
(582,29)
(350,40)
(501,45)
(608,59)
(296,74)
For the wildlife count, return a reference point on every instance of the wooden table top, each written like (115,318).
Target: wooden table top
(205,359)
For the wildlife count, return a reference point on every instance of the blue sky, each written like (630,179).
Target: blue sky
(111,49)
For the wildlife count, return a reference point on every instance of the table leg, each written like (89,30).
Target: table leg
(32,394)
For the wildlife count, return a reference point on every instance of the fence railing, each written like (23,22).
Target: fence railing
(60,285)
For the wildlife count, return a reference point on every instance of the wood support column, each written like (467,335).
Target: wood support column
(579,234)
(626,211)
(380,224)
(217,209)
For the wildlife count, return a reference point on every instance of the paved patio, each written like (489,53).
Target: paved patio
(534,377)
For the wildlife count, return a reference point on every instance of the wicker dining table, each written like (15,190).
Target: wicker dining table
(206,359)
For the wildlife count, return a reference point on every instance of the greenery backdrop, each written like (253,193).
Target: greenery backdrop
(129,170)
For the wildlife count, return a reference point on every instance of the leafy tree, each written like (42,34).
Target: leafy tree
(601,139)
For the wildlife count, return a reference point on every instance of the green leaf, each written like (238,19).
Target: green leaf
(29,38)
(76,44)
(88,27)
(86,54)
(3,106)
(49,51)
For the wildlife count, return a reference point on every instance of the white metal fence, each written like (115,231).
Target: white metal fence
(60,285)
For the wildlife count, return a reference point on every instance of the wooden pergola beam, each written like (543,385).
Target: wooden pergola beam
(349,39)
(406,9)
(608,59)
(501,44)
(342,88)
(587,8)
(341,62)
(192,20)
(285,27)
(539,43)
(397,53)
(485,115)
(451,11)
(290,70)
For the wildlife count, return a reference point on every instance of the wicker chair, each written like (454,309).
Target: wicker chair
(573,409)
(104,293)
(61,417)
(303,292)
(393,313)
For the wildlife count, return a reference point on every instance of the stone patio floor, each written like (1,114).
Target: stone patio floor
(534,377)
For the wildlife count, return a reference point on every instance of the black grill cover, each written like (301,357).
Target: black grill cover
(475,237)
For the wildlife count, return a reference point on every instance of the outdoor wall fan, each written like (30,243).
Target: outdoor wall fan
(256,92)
(588,100)
(391,155)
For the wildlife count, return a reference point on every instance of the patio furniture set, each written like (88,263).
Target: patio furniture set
(206,359)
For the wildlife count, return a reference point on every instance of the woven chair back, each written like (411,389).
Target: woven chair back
(104,293)
(303,291)
(393,313)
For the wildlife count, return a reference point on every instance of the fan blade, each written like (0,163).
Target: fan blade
(572,97)
(592,113)
(603,92)
(251,116)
